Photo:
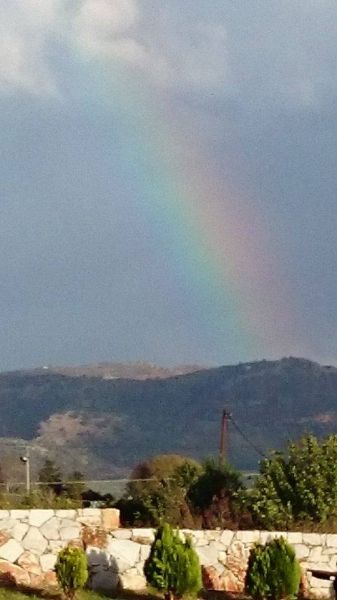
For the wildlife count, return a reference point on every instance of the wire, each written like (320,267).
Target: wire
(249,442)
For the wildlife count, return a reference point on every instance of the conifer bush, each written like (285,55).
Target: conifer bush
(173,565)
(273,571)
(71,571)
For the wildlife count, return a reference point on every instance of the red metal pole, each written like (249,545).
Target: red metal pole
(224,436)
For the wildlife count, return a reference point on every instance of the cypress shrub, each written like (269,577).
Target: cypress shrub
(273,571)
(71,570)
(173,565)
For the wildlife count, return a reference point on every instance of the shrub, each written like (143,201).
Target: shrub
(71,570)
(299,485)
(213,494)
(157,492)
(273,571)
(173,565)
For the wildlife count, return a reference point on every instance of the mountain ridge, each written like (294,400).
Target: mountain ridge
(106,426)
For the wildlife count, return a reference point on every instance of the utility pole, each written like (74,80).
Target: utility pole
(224,435)
(26,460)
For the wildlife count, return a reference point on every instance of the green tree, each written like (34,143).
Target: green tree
(159,470)
(158,488)
(71,570)
(213,494)
(214,481)
(173,565)
(297,485)
(273,571)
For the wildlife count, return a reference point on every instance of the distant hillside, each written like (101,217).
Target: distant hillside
(106,370)
(105,426)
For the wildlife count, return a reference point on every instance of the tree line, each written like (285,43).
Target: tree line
(295,488)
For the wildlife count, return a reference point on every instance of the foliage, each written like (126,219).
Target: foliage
(214,492)
(173,565)
(44,498)
(182,493)
(273,571)
(214,480)
(161,496)
(160,469)
(50,474)
(71,570)
(297,486)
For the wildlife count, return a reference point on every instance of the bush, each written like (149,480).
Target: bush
(71,570)
(299,485)
(273,571)
(161,496)
(173,565)
(213,495)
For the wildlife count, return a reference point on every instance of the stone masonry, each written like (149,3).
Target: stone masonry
(31,539)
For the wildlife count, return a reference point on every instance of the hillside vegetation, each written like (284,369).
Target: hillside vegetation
(106,426)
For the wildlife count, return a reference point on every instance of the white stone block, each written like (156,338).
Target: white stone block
(7,524)
(11,551)
(34,541)
(265,536)
(122,534)
(295,537)
(329,551)
(143,532)
(66,513)
(38,517)
(91,512)
(144,552)
(321,566)
(331,540)
(124,550)
(70,533)
(200,542)
(68,523)
(55,546)
(4,514)
(51,529)
(248,537)
(276,535)
(90,521)
(301,551)
(313,539)
(320,583)
(315,554)
(47,562)
(132,581)
(198,533)
(208,556)
(19,531)
(213,534)
(226,537)
(19,514)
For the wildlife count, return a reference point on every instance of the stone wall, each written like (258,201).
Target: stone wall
(223,556)
(31,539)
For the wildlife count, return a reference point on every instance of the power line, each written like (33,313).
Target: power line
(248,441)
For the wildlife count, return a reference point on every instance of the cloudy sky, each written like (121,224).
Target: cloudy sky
(168,181)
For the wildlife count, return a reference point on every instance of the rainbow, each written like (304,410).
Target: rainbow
(220,248)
